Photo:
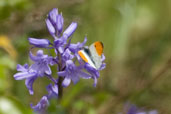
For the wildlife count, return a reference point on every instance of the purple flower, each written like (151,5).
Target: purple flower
(50,27)
(94,72)
(52,15)
(54,23)
(24,72)
(59,23)
(39,68)
(60,43)
(41,43)
(153,112)
(66,53)
(41,106)
(44,103)
(103,64)
(74,48)
(29,84)
(70,30)
(51,22)
(41,63)
(52,91)
(72,72)
(133,109)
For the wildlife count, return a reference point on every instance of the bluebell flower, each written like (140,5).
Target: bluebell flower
(50,27)
(59,24)
(67,55)
(54,23)
(24,72)
(74,48)
(72,72)
(41,63)
(42,105)
(52,91)
(133,109)
(39,68)
(65,59)
(53,16)
(41,43)
(70,30)
(153,112)
(95,72)
(60,43)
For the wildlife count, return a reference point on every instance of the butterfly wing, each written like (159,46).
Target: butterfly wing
(96,50)
(85,55)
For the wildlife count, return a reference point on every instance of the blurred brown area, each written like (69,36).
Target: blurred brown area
(137,45)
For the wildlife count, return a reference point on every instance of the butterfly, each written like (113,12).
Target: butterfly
(93,54)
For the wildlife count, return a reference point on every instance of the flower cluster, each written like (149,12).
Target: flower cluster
(133,109)
(65,60)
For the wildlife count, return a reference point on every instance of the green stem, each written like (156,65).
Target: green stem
(60,88)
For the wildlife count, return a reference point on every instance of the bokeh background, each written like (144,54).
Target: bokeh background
(137,45)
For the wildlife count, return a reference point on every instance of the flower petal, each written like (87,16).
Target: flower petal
(84,75)
(52,15)
(92,70)
(103,57)
(153,112)
(41,43)
(102,66)
(95,81)
(67,55)
(132,109)
(50,27)
(83,43)
(66,82)
(23,75)
(33,57)
(60,42)
(60,49)
(76,47)
(22,68)
(29,84)
(47,70)
(62,73)
(26,66)
(59,23)
(70,30)
(75,78)
(52,90)
(42,105)
(38,56)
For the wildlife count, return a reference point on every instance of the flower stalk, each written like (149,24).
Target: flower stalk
(65,58)
(60,80)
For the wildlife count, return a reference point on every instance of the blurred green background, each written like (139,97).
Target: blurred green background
(137,45)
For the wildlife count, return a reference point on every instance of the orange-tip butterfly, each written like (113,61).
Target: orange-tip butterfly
(93,54)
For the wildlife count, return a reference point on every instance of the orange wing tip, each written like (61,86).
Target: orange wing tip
(82,56)
(99,47)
